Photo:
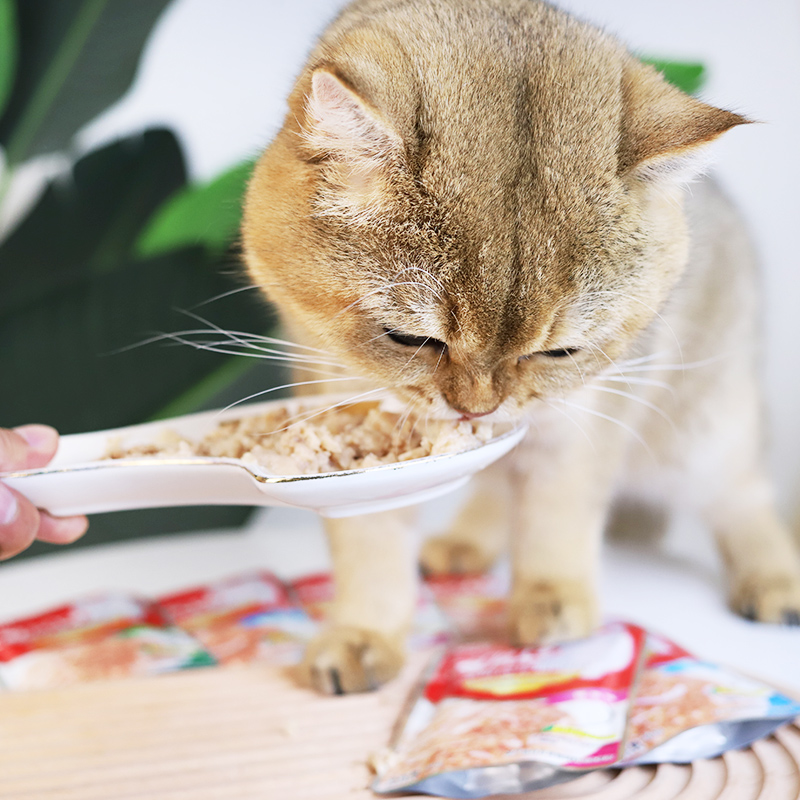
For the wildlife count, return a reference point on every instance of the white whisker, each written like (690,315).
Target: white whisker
(383,289)
(641,359)
(272,340)
(601,415)
(680,367)
(439,360)
(235,336)
(574,422)
(635,398)
(278,388)
(416,352)
(226,294)
(635,381)
(229,350)
(650,308)
(298,418)
(270,353)
(577,367)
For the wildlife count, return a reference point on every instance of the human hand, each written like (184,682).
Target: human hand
(28,447)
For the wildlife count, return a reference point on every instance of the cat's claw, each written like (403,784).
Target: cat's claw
(548,611)
(444,555)
(342,660)
(773,599)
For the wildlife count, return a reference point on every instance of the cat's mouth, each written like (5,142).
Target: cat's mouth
(438,408)
(468,416)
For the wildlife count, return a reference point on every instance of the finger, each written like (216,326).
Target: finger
(27,447)
(19,522)
(60,530)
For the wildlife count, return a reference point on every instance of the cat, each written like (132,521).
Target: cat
(482,205)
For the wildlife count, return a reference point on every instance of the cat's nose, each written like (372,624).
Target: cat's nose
(468,415)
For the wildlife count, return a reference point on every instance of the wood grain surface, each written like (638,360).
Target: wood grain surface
(252,733)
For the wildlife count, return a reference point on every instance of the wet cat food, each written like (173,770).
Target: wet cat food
(306,441)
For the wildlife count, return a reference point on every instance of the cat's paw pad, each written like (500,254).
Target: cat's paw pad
(766,598)
(443,555)
(342,660)
(551,610)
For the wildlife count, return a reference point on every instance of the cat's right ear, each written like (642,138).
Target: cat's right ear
(663,130)
(339,123)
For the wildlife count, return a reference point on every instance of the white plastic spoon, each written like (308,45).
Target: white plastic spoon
(81,480)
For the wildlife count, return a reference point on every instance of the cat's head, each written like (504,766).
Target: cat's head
(475,211)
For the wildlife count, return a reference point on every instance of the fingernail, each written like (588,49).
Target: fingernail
(41,438)
(8,505)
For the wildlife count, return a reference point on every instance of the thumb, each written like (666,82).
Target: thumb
(27,447)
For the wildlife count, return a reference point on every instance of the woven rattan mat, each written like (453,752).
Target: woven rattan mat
(252,733)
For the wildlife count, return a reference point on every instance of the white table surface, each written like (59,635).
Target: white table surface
(674,587)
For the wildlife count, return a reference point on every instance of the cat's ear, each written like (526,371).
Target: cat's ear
(338,122)
(663,129)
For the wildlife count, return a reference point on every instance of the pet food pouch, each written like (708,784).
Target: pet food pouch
(314,593)
(242,619)
(686,709)
(108,636)
(493,719)
(474,605)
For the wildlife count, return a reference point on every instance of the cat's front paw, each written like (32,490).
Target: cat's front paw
(551,610)
(768,598)
(344,659)
(446,555)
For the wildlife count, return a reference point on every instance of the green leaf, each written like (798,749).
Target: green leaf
(687,76)
(76,57)
(8,49)
(72,295)
(87,222)
(208,215)
(201,394)
(67,359)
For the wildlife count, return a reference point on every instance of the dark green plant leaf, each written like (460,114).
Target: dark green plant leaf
(208,214)
(76,57)
(86,224)
(62,351)
(687,76)
(8,50)
(202,394)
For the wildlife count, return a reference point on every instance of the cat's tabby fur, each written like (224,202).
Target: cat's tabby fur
(508,183)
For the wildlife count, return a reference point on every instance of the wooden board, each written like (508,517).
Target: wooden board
(253,734)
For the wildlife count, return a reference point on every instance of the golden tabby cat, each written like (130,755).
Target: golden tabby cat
(480,204)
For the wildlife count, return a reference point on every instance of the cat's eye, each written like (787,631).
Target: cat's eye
(565,352)
(410,340)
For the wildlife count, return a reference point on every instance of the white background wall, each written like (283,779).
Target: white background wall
(218,72)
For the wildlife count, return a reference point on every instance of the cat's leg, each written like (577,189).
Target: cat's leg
(479,533)
(760,556)
(375,576)
(730,488)
(562,501)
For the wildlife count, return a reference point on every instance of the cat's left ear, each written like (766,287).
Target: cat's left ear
(339,122)
(662,128)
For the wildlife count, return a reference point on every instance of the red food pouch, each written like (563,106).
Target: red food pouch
(244,618)
(493,719)
(107,636)
(474,605)
(686,709)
